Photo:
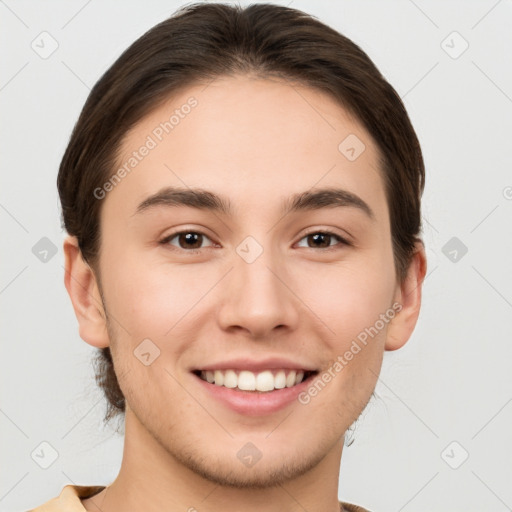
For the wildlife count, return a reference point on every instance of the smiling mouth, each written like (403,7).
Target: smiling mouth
(263,381)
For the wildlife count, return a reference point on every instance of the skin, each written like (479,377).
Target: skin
(256,142)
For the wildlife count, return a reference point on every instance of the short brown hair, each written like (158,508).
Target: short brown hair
(203,41)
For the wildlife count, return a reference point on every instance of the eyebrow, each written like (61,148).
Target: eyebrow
(206,200)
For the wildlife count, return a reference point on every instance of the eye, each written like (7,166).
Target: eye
(189,240)
(322,239)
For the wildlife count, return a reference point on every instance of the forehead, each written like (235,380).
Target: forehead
(250,138)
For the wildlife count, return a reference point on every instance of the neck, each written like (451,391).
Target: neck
(153,480)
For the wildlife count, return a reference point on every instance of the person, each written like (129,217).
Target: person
(242,201)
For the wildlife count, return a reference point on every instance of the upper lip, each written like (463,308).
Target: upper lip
(274,363)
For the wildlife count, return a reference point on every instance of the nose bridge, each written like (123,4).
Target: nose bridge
(257,298)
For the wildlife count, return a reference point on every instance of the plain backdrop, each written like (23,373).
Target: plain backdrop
(438,436)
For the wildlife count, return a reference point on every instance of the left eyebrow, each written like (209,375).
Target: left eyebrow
(326,198)
(206,200)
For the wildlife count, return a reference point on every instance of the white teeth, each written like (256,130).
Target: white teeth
(280,380)
(245,380)
(264,381)
(230,379)
(218,378)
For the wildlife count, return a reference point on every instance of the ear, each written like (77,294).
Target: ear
(83,290)
(408,295)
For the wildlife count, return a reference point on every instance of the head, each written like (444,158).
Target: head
(274,129)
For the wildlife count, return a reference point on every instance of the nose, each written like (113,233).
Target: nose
(258,298)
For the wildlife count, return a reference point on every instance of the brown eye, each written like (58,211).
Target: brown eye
(190,241)
(323,239)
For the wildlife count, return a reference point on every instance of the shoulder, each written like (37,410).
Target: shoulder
(349,507)
(69,499)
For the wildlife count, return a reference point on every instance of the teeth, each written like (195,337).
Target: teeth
(244,380)
(218,377)
(280,380)
(230,379)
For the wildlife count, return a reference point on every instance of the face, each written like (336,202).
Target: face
(257,287)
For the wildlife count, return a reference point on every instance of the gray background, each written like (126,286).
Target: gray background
(452,381)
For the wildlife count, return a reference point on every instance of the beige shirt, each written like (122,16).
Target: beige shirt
(69,500)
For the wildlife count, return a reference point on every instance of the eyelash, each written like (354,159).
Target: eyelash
(342,240)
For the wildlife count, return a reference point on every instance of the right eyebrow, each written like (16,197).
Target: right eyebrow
(194,198)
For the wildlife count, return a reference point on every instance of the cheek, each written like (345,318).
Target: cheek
(350,298)
(152,300)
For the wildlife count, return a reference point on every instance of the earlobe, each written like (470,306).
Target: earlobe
(82,287)
(409,297)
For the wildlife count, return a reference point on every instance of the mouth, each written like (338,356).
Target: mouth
(264,381)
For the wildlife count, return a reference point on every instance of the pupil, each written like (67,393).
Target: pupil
(317,235)
(189,237)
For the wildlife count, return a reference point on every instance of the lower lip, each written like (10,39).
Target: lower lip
(254,403)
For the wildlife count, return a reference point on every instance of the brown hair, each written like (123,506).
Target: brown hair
(203,41)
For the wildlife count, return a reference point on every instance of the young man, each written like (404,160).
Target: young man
(242,197)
